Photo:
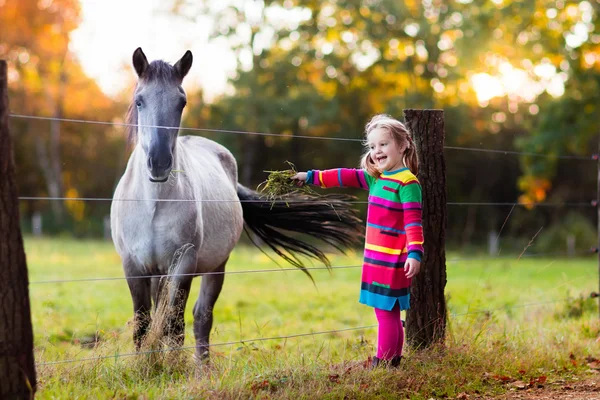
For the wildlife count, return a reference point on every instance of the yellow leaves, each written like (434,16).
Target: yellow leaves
(535,190)
(75,207)
(328,88)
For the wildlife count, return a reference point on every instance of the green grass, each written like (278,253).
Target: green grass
(492,336)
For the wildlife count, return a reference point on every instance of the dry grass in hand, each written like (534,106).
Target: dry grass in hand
(279,184)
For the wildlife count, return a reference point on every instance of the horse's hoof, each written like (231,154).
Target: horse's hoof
(202,358)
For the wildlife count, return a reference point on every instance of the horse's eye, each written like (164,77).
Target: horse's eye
(138,103)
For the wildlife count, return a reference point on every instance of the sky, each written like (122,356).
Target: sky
(106,40)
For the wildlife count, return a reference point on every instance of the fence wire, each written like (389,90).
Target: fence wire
(184,348)
(294,269)
(239,132)
(494,204)
(282,337)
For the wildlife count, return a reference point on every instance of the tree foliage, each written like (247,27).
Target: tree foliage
(57,159)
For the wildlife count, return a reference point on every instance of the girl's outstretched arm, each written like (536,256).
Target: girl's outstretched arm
(339,177)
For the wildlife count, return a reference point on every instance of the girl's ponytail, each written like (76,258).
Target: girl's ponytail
(410,158)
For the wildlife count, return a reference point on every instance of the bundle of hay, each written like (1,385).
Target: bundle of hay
(279,184)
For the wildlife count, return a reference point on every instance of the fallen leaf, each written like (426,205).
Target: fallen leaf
(503,378)
(594,364)
(519,385)
(462,396)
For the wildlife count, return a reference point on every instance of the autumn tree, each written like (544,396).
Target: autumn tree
(57,159)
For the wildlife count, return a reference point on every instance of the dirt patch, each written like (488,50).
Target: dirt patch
(588,389)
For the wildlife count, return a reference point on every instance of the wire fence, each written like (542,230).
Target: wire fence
(593,203)
(285,337)
(295,269)
(593,157)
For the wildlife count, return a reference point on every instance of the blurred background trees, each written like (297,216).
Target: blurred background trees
(509,75)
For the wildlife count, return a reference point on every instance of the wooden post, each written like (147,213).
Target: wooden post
(426,318)
(17,368)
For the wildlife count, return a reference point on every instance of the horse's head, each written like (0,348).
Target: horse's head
(156,110)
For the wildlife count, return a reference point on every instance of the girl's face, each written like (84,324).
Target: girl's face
(384,150)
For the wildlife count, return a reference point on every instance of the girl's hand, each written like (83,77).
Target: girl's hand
(300,178)
(412,267)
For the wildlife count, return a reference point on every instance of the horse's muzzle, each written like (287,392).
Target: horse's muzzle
(159,168)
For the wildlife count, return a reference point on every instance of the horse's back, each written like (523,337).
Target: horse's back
(200,148)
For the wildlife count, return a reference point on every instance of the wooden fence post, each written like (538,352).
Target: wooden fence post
(17,368)
(426,319)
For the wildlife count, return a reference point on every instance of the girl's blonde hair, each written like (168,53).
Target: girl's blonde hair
(400,134)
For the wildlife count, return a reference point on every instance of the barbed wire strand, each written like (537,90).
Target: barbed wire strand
(229,131)
(541,303)
(294,269)
(496,204)
(521,153)
(291,269)
(243,341)
(124,124)
(210,345)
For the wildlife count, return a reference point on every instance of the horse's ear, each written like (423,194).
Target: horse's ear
(140,62)
(184,64)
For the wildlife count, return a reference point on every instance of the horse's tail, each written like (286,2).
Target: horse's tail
(329,218)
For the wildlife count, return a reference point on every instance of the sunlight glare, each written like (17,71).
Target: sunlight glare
(518,84)
(486,87)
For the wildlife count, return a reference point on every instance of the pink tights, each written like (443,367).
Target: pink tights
(390,335)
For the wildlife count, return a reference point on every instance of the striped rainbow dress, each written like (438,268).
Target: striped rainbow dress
(394,230)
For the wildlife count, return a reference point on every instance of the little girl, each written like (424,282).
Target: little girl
(394,234)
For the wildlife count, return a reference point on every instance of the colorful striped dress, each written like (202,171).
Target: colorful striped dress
(394,230)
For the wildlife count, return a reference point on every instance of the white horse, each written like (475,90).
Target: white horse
(188,222)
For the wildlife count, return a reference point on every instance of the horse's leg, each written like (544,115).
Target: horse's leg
(203,310)
(142,303)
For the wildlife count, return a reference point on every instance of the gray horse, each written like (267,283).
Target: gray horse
(187,223)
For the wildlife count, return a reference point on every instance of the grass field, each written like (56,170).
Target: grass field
(509,319)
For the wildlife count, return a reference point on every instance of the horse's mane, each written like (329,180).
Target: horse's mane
(156,70)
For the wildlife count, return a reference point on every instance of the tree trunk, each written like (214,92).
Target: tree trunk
(49,154)
(17,369)
(426,319)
